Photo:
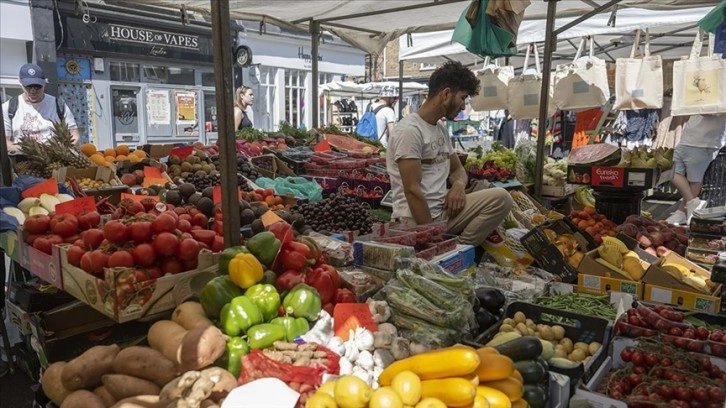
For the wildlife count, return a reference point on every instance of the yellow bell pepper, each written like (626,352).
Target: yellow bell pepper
(245,270)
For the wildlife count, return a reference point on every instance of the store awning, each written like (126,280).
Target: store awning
(368,90)
(15,21)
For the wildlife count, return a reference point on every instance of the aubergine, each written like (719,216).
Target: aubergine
(484,319)
(491,299)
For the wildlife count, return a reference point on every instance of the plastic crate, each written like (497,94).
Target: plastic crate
(424,233)
(323,172)
(714,180)
(390,237)
(578,328)
(325,158)
(329,184)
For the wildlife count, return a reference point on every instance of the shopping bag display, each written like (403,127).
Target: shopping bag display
(699,83)
(639,81)
(493,82)
(583,83)
(523,91)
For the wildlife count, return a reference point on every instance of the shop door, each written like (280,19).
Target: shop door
(125,104)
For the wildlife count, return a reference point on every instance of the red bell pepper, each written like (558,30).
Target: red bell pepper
(315,253)
(282,231)
(288,279)
(329,307)
(325,280)
(293,255)
(343,295)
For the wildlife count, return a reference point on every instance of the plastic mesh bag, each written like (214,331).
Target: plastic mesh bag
(297,186)
(256,365)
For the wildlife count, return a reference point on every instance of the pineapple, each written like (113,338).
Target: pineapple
(36,163)
(65,149)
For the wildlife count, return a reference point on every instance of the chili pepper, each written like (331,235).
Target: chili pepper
(288,280)
(227,255)
(293,327)
(264,246)
(245,270)
(217,293)
(343,295)
(324,280)
(236,348)
(239,315)
(266,298)
(303,301)
(264,335)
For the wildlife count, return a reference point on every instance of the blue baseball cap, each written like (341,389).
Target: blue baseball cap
(31,74)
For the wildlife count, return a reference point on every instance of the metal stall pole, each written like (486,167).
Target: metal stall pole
(550,38)
(7,176)
(400,90)
(222,49)
(315,34)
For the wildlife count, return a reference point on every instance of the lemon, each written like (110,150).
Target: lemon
(320,400)
(431,403)
(408,386)
(385,397)
(327,388)
(352,392)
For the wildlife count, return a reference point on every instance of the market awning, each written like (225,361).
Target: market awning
(368,90)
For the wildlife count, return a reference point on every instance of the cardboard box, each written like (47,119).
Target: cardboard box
(10,245)
(458,260)
(40,264)
(18,317)
(66,321)
(158,151)
(611,176)
(105,174)
(120,297)
(547,254)
(597,279)
(557,191)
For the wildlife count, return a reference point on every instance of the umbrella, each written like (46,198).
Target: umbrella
(483,37)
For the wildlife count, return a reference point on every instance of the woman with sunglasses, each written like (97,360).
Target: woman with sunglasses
(36,111)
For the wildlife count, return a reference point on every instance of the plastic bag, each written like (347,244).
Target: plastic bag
(421,331)
(526,151)
(523,284)
(412,303)
(298,186)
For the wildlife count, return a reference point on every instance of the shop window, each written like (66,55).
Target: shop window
(323,106)
(7,92)
(125,72)
(208,79)
(295,97)
(169,75)
(265,100)
(125,112)
(210,112)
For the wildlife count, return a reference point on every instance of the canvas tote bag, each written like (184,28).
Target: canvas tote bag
(493,82)
(639,81)
(699,83)
(524,91)
(583,83)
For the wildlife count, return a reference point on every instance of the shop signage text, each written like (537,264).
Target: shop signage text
(306,57)
(152,37)
(607,176)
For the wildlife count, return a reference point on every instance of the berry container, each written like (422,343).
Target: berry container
(345,164)
(628,330)
(684,343)
(424,233)
(444,243)
(428,252)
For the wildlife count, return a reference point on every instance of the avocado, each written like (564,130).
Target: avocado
(186,190)
(205,205)
(208,192)
(243,205)
(257,226)
(173,197)
(194,198)
(247,216)
(260,210)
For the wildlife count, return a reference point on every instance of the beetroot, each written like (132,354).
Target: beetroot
(656,238)
(652,228)
(635,220)
(629,230)
(672,244)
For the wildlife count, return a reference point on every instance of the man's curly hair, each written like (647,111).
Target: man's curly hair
(455,76)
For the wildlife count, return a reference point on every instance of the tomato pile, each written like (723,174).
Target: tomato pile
(660,376)
(44,231)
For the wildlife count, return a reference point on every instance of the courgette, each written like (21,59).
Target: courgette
(531,370)
(562,363)
(523,348)
(535,396)
(503,338)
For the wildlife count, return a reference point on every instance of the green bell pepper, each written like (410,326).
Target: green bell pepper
(217,293)
(264,335)
(264,246)
(269,277)
(302,301)
(239,315)
(237,347)
(227,255)
(293,327)
(266,298)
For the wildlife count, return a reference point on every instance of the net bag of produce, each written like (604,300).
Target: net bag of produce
(256,365)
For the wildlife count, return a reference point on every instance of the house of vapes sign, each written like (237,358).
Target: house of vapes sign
(152,37)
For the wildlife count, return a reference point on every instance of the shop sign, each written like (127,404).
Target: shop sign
(307,58)
(152,37)
(607,176)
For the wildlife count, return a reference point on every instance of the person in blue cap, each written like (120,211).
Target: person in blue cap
(33,113)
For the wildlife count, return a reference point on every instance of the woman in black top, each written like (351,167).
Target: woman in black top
(244,97)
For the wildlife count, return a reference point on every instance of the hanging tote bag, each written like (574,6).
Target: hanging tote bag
(493,82)
(523,92)
(583,83)
(639,81)
(699,83)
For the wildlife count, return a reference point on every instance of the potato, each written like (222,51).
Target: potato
(522,329)
(166,336)
(530,331)
(140,401)
(190,315)
(146,363)
(546,333)
(519,317)
(593,347)
(86,370)
(577,355)
(105,396)
(530,324)
(559,332)
(506,328)
(82,399)
(201,347)
(52,384)
(509,321)
(581,346)
(567,344)
(122,386)
(560,351)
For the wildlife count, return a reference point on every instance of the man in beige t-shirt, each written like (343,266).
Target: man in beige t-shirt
(420,160)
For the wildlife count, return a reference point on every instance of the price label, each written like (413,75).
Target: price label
(217,194)
(152,172)
(150,181)
(269,218)
(76,206)
(49,186)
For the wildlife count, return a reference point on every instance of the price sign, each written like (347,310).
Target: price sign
(49,186)
(76,206)
(152,172)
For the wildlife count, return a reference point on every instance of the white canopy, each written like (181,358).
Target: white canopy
(368,90)
(672,33)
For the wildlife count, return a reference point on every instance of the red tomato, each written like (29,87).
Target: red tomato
(171,212)
(73,238)
(120,259)
(43,244)
(200,219)
(218,244)
(141,275)
(180,210)
(172,266)
(116,231)
(130,207)
(191,264)
(185,235)
(79,243)
(141,231)
(186,217)
(164,223)
(193,211)
(75,253)
(88,219)
(55,239)
(64,225)
(184,225)
(202,235)
(154,272)
(166,244)
(144,255)
(37,224)
(30,238)
(92,238)
(148,204)
(99,260)
(86,262)
(188,249)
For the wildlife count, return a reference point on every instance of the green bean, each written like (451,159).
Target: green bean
(598,306)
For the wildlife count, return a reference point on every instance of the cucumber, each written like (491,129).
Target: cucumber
(547,349)
(531,370)
(562,363)
(503,338)
(522,348)
(535,396)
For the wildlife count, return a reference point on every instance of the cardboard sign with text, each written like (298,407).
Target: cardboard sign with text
(607,176)
(76,206)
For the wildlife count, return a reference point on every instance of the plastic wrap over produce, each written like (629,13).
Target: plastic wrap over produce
(524,284)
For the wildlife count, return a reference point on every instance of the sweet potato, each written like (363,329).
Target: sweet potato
(190,315)
(122,386)
(201,347)
(140,401)
(105,396)
(82,399)
(166,337)
(52,384)
(146,363)
(223,380)
(86,370)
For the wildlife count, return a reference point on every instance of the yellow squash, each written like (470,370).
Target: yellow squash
(408,386)
(454,392)
(511,387)
(495,398)
(449,362)
(430,403)
(483,351)
(517,375)
(495,367)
